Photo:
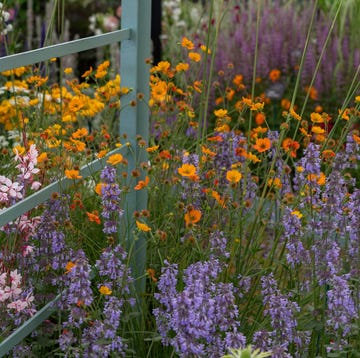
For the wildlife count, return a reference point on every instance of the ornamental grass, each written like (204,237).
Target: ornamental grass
(252,224)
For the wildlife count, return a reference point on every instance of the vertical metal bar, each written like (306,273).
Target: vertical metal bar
(134,119)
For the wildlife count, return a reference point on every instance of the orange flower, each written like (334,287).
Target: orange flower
(274,75)
(260,118)
(159,91)
(285,103)
(316,118)
(152,149)
(187,170)
(356,137)
(93,217)
(182,67)
(81,132)
(99,188)
(291,146)
(72,174)
(142,227)
(262,145)
(104,290)
(194,56)
(192,217)
(142,184)
(221,113)
(185,42)
(69,266)
(87,73)
(233,176)
(115,159)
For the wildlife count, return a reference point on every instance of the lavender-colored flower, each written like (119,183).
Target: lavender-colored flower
(281,311)
(78,293)
(110,195)
(218,244)
(195,320)
(341,309)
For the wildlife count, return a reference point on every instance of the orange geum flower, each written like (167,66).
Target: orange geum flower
(115,159)
(260,118)
(192,217)
(104,290)
(233,176)
(187,170)
(72,174)
(285,103)
(93,217)
(274,75)
(185,42)
(262,145)
(182,66)
(317,130)
(152,149)
(221,113)
(69,266)
(99,188)
(237,81)
(159,91)
(356,137)
(316,118)
(142,227)
(291,146)
(142,183)
(205,49)
(87,73)
(76,104)
(194,56)
(81,132)
(328,153)
(252,157)
(294,114)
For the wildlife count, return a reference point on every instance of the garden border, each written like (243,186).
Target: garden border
(134,72)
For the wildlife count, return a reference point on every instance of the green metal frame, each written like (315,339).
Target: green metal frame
(134,71)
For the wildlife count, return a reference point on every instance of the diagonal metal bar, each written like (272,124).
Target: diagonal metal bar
(44,194)
(63,49)
(30,325)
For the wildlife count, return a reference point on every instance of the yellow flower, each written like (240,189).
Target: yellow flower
(205,49)
(68,70)
(142,227)
(297,213)
(104,290)
(357,99)
(294,115)
(115,159)
(233,176)
(194,56)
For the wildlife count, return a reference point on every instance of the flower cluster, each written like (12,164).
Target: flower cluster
(201,319)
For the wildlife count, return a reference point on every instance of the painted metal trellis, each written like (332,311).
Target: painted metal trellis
(135,49)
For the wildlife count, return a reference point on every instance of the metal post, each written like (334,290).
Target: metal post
(134,120)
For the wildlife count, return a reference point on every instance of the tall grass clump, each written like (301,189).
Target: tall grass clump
(253,200)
